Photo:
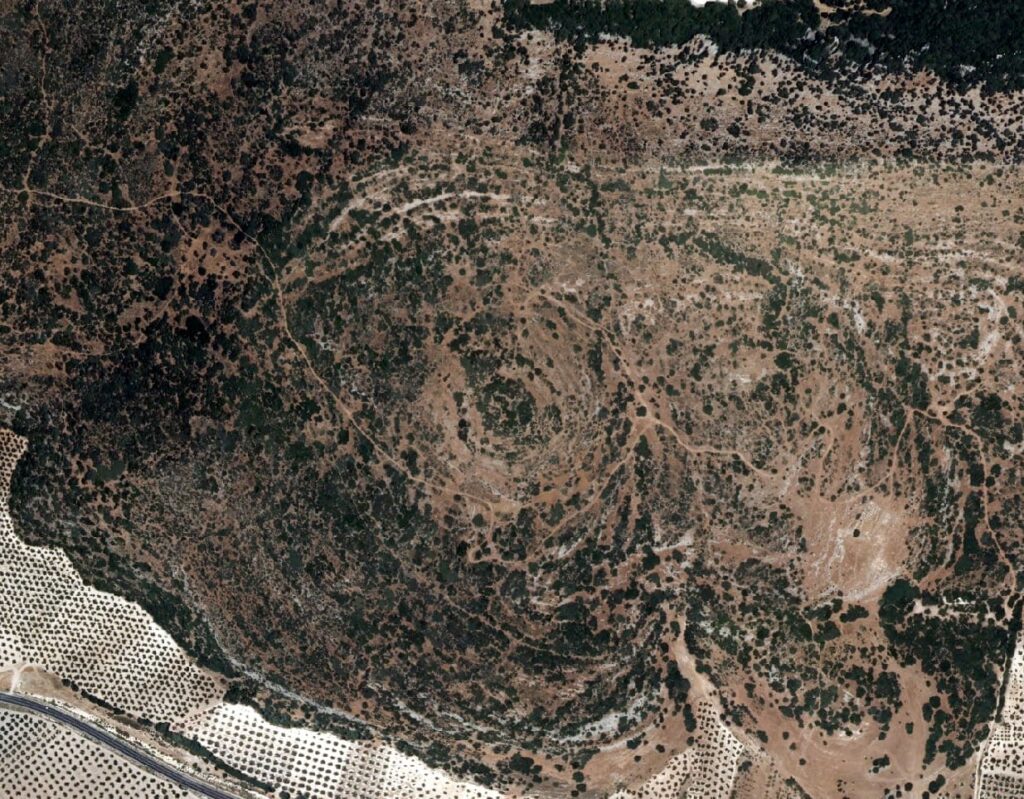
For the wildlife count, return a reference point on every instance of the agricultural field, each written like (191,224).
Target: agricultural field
(495,399)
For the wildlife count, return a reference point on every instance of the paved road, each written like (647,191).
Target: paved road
(137,756)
